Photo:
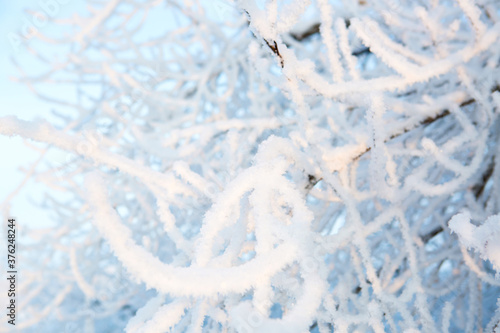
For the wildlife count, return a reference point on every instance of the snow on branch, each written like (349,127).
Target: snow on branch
(266,166)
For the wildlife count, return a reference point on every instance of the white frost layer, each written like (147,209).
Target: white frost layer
(485,238)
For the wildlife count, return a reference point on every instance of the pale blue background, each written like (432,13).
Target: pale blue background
(16,99)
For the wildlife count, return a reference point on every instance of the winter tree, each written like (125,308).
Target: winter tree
(266,166)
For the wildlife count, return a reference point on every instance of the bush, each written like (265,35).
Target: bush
(286,166)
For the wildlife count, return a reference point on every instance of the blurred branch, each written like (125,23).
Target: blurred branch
(315,29)
(478,189)
(300,36)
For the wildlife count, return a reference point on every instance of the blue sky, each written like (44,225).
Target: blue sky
(19,101)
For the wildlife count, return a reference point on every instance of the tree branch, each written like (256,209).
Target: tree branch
(478,189)
(274,47)
(312,30)
(315,29)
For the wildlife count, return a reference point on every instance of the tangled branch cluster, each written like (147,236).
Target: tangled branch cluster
(278,166)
